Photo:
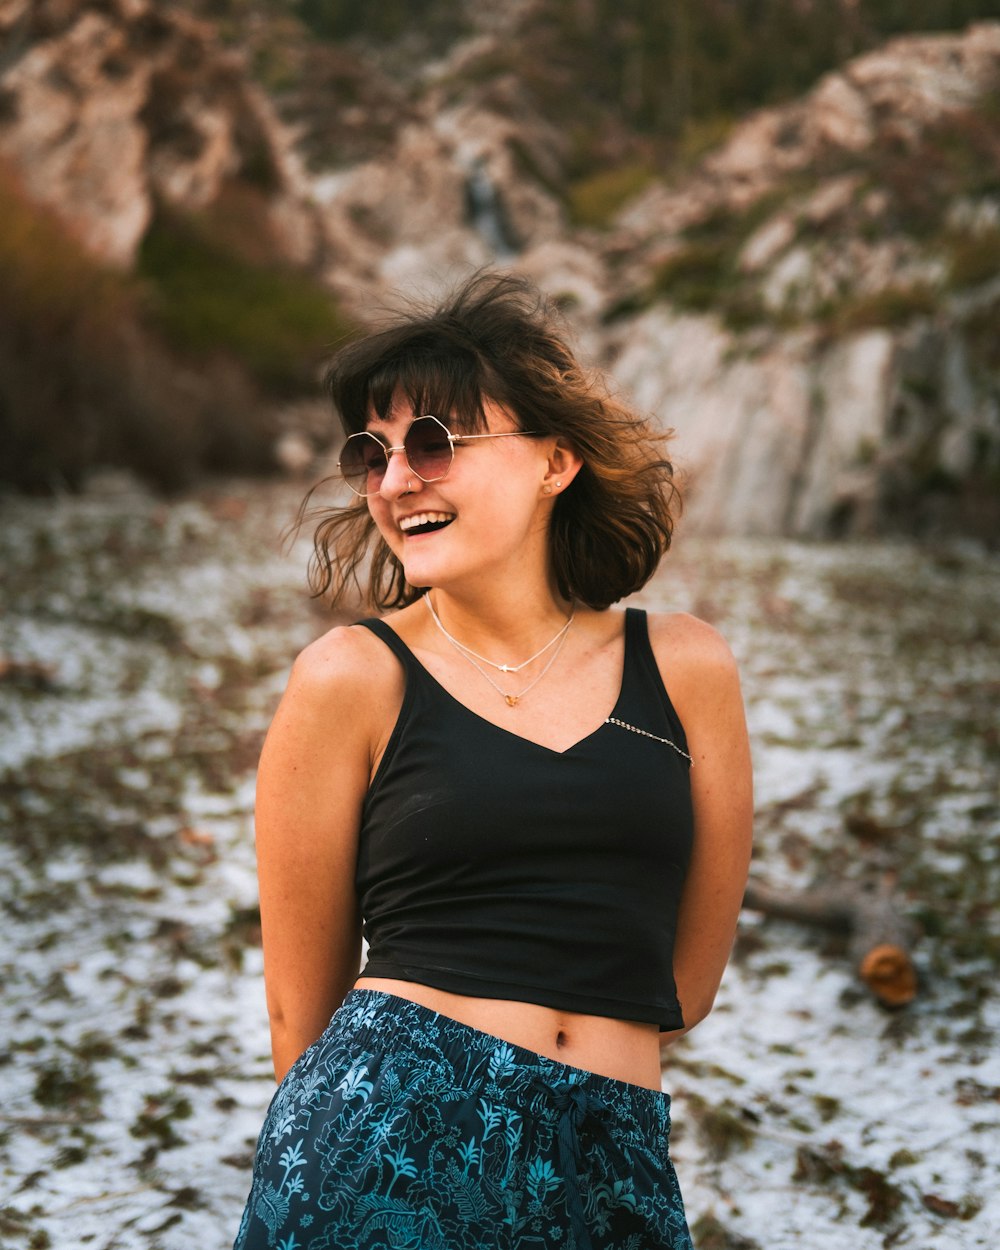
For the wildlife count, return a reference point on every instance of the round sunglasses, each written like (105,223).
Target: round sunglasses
(428,445)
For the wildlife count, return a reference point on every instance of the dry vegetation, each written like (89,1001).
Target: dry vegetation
(174,370)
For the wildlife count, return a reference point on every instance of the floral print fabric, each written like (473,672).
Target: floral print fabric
(402,1129)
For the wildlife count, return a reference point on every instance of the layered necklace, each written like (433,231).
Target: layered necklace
(477,660)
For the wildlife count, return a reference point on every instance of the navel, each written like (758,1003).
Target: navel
(562,1039)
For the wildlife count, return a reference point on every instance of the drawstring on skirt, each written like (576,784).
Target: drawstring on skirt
(576,1106)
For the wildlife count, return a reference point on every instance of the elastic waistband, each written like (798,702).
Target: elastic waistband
(371,1016)
(581,1113)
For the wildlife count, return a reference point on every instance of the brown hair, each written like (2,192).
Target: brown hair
(497,338)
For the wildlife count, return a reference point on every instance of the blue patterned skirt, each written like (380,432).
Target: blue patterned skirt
(402,1129)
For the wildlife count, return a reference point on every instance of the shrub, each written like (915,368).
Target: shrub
(892,306)
(58,323)
(694,276)
(593,201)
(700,136)
(86,379)
(975,258)
(207,297)
(958,156)
(703,276)
(981,332)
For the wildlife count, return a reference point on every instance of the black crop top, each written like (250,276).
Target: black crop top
(491,866)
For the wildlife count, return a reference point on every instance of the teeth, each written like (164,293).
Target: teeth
(424,518)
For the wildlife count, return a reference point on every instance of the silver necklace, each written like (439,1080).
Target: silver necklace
(502,668)
(512,700)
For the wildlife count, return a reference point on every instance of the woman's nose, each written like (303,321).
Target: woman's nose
(399,477)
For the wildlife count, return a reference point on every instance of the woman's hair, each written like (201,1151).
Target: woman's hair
(496,338)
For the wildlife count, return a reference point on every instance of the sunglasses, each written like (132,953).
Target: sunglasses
(428,445)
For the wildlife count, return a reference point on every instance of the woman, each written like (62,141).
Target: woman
(545,850)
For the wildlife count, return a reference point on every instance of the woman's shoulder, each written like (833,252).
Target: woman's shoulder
(347,662)
(690,650)
(700,673)
(688,635)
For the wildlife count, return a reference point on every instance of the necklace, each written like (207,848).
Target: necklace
(502,668)
(512,700)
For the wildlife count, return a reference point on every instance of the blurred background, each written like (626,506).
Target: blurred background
(776,223)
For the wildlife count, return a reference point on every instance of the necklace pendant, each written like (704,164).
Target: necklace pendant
(504,668)
(512,699)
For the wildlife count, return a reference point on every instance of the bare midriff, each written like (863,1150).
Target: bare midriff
(626,1050)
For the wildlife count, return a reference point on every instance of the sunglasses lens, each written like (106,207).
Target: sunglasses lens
(364,459)
(428,449)
(363,463)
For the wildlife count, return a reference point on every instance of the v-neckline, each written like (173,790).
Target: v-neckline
(510,733)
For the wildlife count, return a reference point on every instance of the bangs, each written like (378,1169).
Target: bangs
(443,384)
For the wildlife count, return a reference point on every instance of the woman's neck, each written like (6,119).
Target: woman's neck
(503,625)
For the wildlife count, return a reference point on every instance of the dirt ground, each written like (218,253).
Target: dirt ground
(143,646)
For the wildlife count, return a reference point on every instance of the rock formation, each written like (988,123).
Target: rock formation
(108,108)
(816,309)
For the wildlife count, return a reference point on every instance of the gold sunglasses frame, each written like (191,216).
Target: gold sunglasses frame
(454,440)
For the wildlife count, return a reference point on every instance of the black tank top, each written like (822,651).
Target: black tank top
(491,866)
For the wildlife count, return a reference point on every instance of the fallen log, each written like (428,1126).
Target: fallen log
(27,674)
(880,937)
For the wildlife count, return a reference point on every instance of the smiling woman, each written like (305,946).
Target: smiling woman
(535,809)
(493,347)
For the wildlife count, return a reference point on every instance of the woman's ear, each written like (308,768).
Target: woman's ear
(564,463)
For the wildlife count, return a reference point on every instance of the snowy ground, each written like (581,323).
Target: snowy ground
(142,648)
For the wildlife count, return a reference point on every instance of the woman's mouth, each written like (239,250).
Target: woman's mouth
(425,522)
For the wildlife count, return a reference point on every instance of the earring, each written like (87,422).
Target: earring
(546,489)
(559,485)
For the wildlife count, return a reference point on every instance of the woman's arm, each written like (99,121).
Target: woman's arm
(700,673)
(313,776)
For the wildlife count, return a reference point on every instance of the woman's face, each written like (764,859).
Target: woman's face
(486,519)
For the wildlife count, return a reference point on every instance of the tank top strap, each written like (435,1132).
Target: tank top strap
(411,665)
(644,702)
(641,674)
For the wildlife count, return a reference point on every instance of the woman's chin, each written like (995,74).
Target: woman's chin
(421,573)
(424,567)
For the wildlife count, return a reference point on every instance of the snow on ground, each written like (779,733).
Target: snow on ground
(143,646)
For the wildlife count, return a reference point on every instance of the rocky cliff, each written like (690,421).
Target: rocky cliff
(816,309)
(109,108)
